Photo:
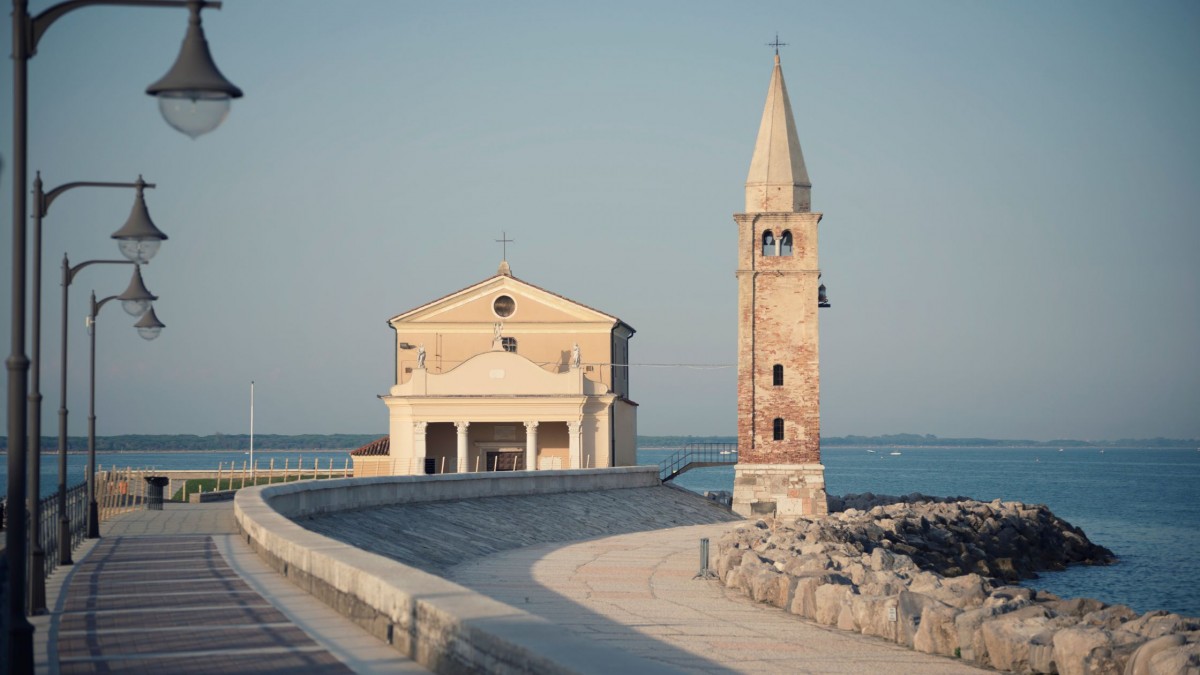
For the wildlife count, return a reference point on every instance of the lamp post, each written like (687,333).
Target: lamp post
(136,301)
(139,240)
(148,327)
(196,78)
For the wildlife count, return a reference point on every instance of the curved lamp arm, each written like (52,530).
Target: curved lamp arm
(39,24)
(72,271)
(42,200)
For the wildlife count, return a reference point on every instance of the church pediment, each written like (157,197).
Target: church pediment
(503,298)
(499,373)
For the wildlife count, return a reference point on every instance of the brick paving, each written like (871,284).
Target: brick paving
(132,604)
(177,591)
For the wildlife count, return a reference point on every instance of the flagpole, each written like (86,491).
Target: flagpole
(251,429)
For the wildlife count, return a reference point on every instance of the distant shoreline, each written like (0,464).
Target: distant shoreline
(142,443)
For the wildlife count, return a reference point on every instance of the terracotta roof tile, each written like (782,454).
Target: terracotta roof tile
(374,448)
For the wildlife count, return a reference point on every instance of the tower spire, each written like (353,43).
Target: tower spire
(778,180)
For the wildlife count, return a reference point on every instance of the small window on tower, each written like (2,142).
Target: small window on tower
(768,243)
(785,243)
(509,344)
(777,375)
(778,428)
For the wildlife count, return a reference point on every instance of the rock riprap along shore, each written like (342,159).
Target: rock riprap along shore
(933,574)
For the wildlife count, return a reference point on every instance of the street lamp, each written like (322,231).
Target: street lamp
(148,327)
(136,300)
(27,31)
(138,240)
(194,96)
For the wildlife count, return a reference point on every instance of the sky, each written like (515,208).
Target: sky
(1009,193)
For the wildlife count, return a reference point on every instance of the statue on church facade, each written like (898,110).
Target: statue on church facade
(497,328)
(575,356)
(421,357)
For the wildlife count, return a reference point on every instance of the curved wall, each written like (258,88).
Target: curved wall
(440,624)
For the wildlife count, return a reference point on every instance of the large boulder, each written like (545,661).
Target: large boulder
(937,634)
(1164,655)
(1109,618)
(910,607)
(770,587)
(829,600)
(964,592)
(1021,641)
(1159,623)
(1182,659)
(1085,650)
(970,642)
(872,615)
(804,593)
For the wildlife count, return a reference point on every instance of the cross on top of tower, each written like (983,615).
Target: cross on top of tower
(504,241)
(777,44)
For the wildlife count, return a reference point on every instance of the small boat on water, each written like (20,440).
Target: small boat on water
(894,452)
(873,452)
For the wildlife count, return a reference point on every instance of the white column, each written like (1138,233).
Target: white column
(531,446)
(418,448)
(462,445)
(576,444)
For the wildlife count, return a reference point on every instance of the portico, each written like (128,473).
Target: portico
(498,411)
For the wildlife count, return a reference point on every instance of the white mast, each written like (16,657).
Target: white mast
(252,429)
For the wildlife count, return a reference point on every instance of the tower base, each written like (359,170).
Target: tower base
(781,490)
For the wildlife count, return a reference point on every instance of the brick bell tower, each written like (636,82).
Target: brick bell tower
(779,468)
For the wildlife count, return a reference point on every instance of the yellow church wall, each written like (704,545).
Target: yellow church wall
(554,445)
(365,467)
(549,347)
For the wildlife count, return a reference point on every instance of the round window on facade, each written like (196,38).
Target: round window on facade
(504,306)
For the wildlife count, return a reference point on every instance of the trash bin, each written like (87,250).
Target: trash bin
(154,492)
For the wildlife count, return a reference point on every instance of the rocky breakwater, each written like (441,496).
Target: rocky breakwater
(935,575)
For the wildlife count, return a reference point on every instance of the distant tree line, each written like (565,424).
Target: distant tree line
(194,443)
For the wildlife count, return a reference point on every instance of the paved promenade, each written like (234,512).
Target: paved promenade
(637,593)
(177,591)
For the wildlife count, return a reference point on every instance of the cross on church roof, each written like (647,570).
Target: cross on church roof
(777,44)
(504,241)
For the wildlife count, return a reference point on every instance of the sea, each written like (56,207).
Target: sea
(1142,503)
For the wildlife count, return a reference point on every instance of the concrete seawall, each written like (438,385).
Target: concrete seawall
(440,624)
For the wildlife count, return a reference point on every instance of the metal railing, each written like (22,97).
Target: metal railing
(696,455)
(76,512)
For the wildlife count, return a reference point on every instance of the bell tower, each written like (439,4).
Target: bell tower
(779,468)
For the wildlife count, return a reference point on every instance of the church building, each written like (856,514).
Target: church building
(503,376)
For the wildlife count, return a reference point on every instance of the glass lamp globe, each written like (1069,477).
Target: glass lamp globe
(149,327)
(136,299)
(136,307)
(139,251)
(193,113)
(149,332)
